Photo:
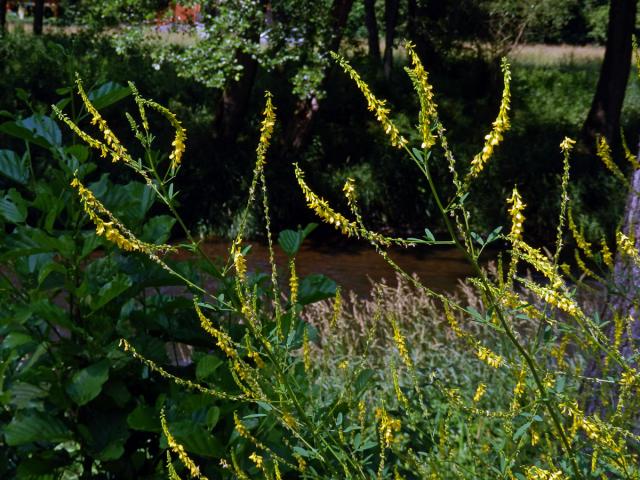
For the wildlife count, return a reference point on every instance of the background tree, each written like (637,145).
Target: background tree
(391,10)
(604,115)
(38,16)
(373,35)
(3,15)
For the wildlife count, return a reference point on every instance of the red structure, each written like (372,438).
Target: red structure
(179,14)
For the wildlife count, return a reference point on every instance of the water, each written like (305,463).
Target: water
(355,265)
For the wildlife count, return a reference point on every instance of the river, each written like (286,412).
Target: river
(356,264)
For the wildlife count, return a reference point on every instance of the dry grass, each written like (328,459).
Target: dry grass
(541,54)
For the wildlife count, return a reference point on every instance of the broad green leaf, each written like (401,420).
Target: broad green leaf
(110,291)
(18,131)
(145,418)
(14,167)
(32,426)
(314,288)
(207,365)
(158,229)
(80,152)
(196,439)
(22,394)
(290,242)
(86,384)
(43,127)
(13,207)
(108,94)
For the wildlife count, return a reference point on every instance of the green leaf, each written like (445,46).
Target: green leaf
(13,207)
(429,236)
(213,415)
(80,152)
(522,430)
(32,426)
(16,130)
(110,291)
(196,439)
(145,418)
(158,229)
(13,167)
(316,287)
(86,384)
(289,241)
(207,365)
(43,127)
(108,94)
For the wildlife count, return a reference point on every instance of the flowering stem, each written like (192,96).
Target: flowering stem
(510,335)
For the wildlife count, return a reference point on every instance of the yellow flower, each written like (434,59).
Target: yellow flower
(375,105)
(112,229)
(500,126)
(179,450)
(428,107)
(480,391)
(627,247)
(487,356)
(517,219)
(257,459)
(604,153)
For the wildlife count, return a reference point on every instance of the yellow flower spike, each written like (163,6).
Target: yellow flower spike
(180,138)
(556,299)
(490,358)
(401,344)
(85,137)
(603,151)
(322,208)
(578,236)
(396,386)
(567,145)
(428,108)
(223,340)
(337,307)
(631,158)
(127,347)
(500,126)
(607,256)
(257,459)
(537,473)
(293,283)
(118,152)
(179,450)
(112,229)
(388,427)
(140,103)
(375,105)
(306,351)
(480,391)
(266,129)
(517,218)
(173,475)
(627,247)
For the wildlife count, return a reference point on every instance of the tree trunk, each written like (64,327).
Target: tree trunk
(372,29)
(623,301)
(604,116)
(626,273)
(391,8)
(234,104)
(412,12)
(38,17)
(300,127)
(3,16)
